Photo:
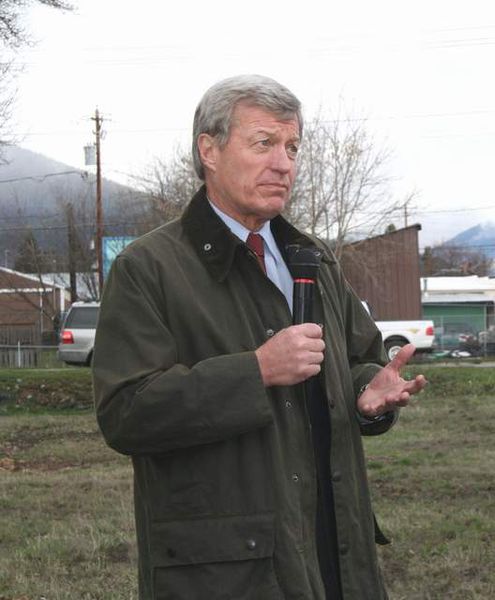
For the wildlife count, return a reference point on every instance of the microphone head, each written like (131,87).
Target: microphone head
(303,261)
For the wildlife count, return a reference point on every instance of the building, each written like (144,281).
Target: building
(30,308)
(385,271)
(461,308)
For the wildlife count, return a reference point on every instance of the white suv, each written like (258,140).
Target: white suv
(77,336)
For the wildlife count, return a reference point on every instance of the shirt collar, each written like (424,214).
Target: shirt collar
(242,232)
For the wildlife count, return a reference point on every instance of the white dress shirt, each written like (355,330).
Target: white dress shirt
(276,269)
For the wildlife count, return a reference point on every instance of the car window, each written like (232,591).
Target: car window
(82,318)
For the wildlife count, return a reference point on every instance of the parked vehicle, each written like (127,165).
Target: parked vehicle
(77,335)
(396,334)
(399,333)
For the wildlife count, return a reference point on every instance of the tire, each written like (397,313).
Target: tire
(393,345)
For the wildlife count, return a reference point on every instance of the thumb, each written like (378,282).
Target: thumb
(403,356)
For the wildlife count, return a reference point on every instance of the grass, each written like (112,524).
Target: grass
(67,529)
(41,390)
(434,490)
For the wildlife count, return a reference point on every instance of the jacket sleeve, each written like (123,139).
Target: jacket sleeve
(147,402)
(366,355)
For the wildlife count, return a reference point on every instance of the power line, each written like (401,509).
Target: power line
(41,178)
(90,225)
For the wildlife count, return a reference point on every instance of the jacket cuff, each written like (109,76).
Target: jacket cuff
(377,425)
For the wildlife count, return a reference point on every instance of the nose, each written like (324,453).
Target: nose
(281,161)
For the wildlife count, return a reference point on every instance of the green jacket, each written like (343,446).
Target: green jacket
(225,488)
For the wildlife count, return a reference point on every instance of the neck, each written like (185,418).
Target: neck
(249,221)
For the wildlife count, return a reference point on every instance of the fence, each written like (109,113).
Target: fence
(20,356)
(465,332)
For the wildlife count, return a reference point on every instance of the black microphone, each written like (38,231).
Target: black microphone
(303,263)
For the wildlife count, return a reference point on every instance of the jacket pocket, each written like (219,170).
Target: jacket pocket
(225,558)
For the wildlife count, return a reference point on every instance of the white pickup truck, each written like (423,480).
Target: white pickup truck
(396,334)
(399,333)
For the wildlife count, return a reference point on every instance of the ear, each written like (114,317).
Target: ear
(207,148)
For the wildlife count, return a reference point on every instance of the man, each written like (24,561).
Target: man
(244,489)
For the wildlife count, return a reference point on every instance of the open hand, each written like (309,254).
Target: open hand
(388,389)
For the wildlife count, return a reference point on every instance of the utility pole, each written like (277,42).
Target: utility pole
(99,208)
(71,242)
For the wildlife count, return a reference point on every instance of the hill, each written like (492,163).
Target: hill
(480,238)
(35,191)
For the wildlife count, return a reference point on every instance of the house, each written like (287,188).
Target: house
(30,308)
(461,307)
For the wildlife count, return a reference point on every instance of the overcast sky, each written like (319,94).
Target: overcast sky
(422,71)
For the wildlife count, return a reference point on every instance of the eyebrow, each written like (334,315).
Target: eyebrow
(274,131)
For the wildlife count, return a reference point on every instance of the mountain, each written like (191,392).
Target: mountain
(480,238)
(35,191)
(29,180)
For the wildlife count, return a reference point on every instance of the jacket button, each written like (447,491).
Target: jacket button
(288,404)
(207,247)
(344,549)
(251,544)
(270,332)
(295,477)
(337,476)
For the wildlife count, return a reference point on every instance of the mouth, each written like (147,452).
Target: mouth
(276,185)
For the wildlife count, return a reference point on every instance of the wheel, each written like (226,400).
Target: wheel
(393,345)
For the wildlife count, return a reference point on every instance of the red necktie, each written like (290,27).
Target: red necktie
(255,243)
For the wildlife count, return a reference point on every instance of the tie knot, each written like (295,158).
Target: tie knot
(255,243)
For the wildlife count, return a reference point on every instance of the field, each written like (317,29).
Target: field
(67,532)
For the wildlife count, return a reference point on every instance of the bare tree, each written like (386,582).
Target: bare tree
(39,296)
(6,104)
(342,188)
(12,33)
(13,36)
(168,187)
(450,260)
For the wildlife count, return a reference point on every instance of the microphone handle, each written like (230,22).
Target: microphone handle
(302,309)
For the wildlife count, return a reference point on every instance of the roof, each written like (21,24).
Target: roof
(31,281)
(86,283)
(457,299)
(468,283)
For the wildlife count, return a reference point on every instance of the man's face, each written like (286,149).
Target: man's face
(251,177)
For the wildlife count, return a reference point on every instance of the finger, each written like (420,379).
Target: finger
(311,330)
(402,357)
(314,345)
(315,358)
(415,385)
(403,399)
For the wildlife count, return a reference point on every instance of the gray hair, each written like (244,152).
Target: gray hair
(214,112)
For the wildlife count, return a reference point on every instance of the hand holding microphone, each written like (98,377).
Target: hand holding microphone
(295,354)
(292,355)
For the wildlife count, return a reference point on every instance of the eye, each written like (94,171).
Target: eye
(265,142)
(292,150)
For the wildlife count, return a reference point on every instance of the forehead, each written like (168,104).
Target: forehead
(250,118)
